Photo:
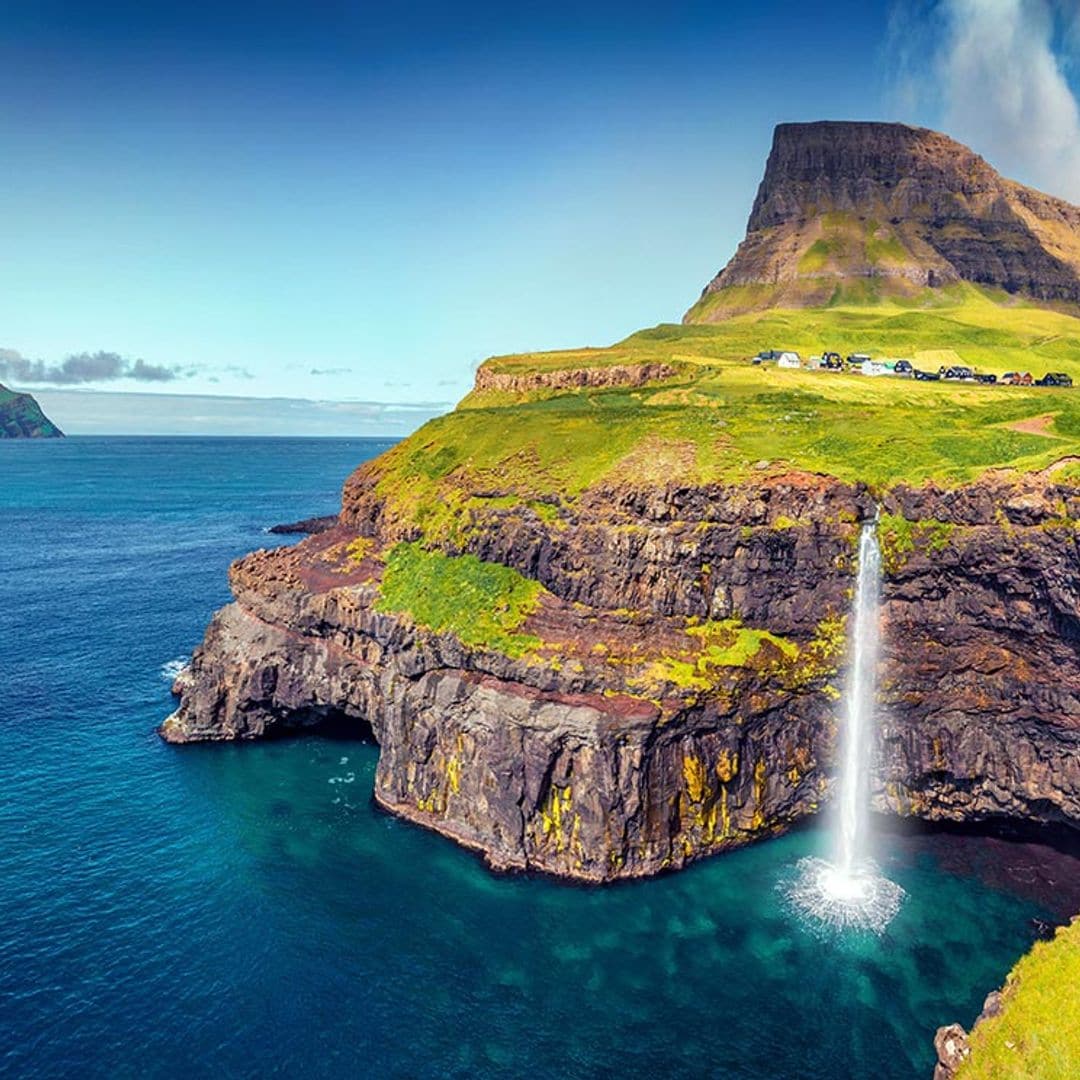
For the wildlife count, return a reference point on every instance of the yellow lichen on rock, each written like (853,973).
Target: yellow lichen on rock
(725,814)
(359,549)
(727,765)
(758,820)
(453,774)
(694,775)
(939,757)
(698,808)
(800,761)
(552,815)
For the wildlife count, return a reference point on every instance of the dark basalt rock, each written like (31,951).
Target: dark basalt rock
(306,526)
(570,770)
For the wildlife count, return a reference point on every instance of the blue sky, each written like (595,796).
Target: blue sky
(353,202)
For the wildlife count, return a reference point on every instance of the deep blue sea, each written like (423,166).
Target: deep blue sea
(245,911)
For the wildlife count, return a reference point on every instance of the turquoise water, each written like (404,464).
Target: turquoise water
(246,911)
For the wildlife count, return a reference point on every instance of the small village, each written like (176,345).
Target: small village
(864,364)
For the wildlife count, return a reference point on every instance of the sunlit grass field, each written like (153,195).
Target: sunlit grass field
(1038,1033)
(720,419)
(987,329)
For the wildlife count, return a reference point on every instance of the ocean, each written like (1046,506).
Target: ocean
(246,911)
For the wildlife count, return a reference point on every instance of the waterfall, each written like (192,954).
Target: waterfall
(849,892)
(859,711)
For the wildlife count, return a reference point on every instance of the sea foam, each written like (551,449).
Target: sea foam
(171,668)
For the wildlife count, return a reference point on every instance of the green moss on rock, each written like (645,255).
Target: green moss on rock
(483,604)
(901,538)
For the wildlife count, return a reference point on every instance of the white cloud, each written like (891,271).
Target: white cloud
(996,80)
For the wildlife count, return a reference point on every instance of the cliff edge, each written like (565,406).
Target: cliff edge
(1029,1028)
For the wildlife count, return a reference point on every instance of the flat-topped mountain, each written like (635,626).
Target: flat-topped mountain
(861,211)
(21,418)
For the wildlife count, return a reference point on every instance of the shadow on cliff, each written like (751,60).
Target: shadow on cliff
(324,721)
(1038,862)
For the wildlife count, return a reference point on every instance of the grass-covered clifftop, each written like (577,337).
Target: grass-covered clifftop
(546,427)
(1037,1033)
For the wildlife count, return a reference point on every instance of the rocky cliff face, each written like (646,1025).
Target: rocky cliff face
(572,378)
(594,758)
(565,764)
(21,418)
(899,207)
(982,672)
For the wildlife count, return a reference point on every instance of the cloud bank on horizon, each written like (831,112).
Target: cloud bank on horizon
(995,74)
(81,368)
(116,412)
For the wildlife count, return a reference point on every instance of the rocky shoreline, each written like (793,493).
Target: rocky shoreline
(305,527)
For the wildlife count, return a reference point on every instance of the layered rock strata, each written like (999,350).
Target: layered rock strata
(592,755)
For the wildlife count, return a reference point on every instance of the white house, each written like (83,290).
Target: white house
(789,360)
(874,367)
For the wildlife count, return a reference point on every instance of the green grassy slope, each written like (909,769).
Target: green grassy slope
(1037,1034)
(535,442)
(721,419)
(996,332)
(990,330)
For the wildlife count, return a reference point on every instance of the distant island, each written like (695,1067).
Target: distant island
(21,417)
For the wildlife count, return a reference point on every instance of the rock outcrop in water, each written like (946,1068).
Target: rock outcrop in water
(21,418)
(898,209)
(573,768)
(304,527)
